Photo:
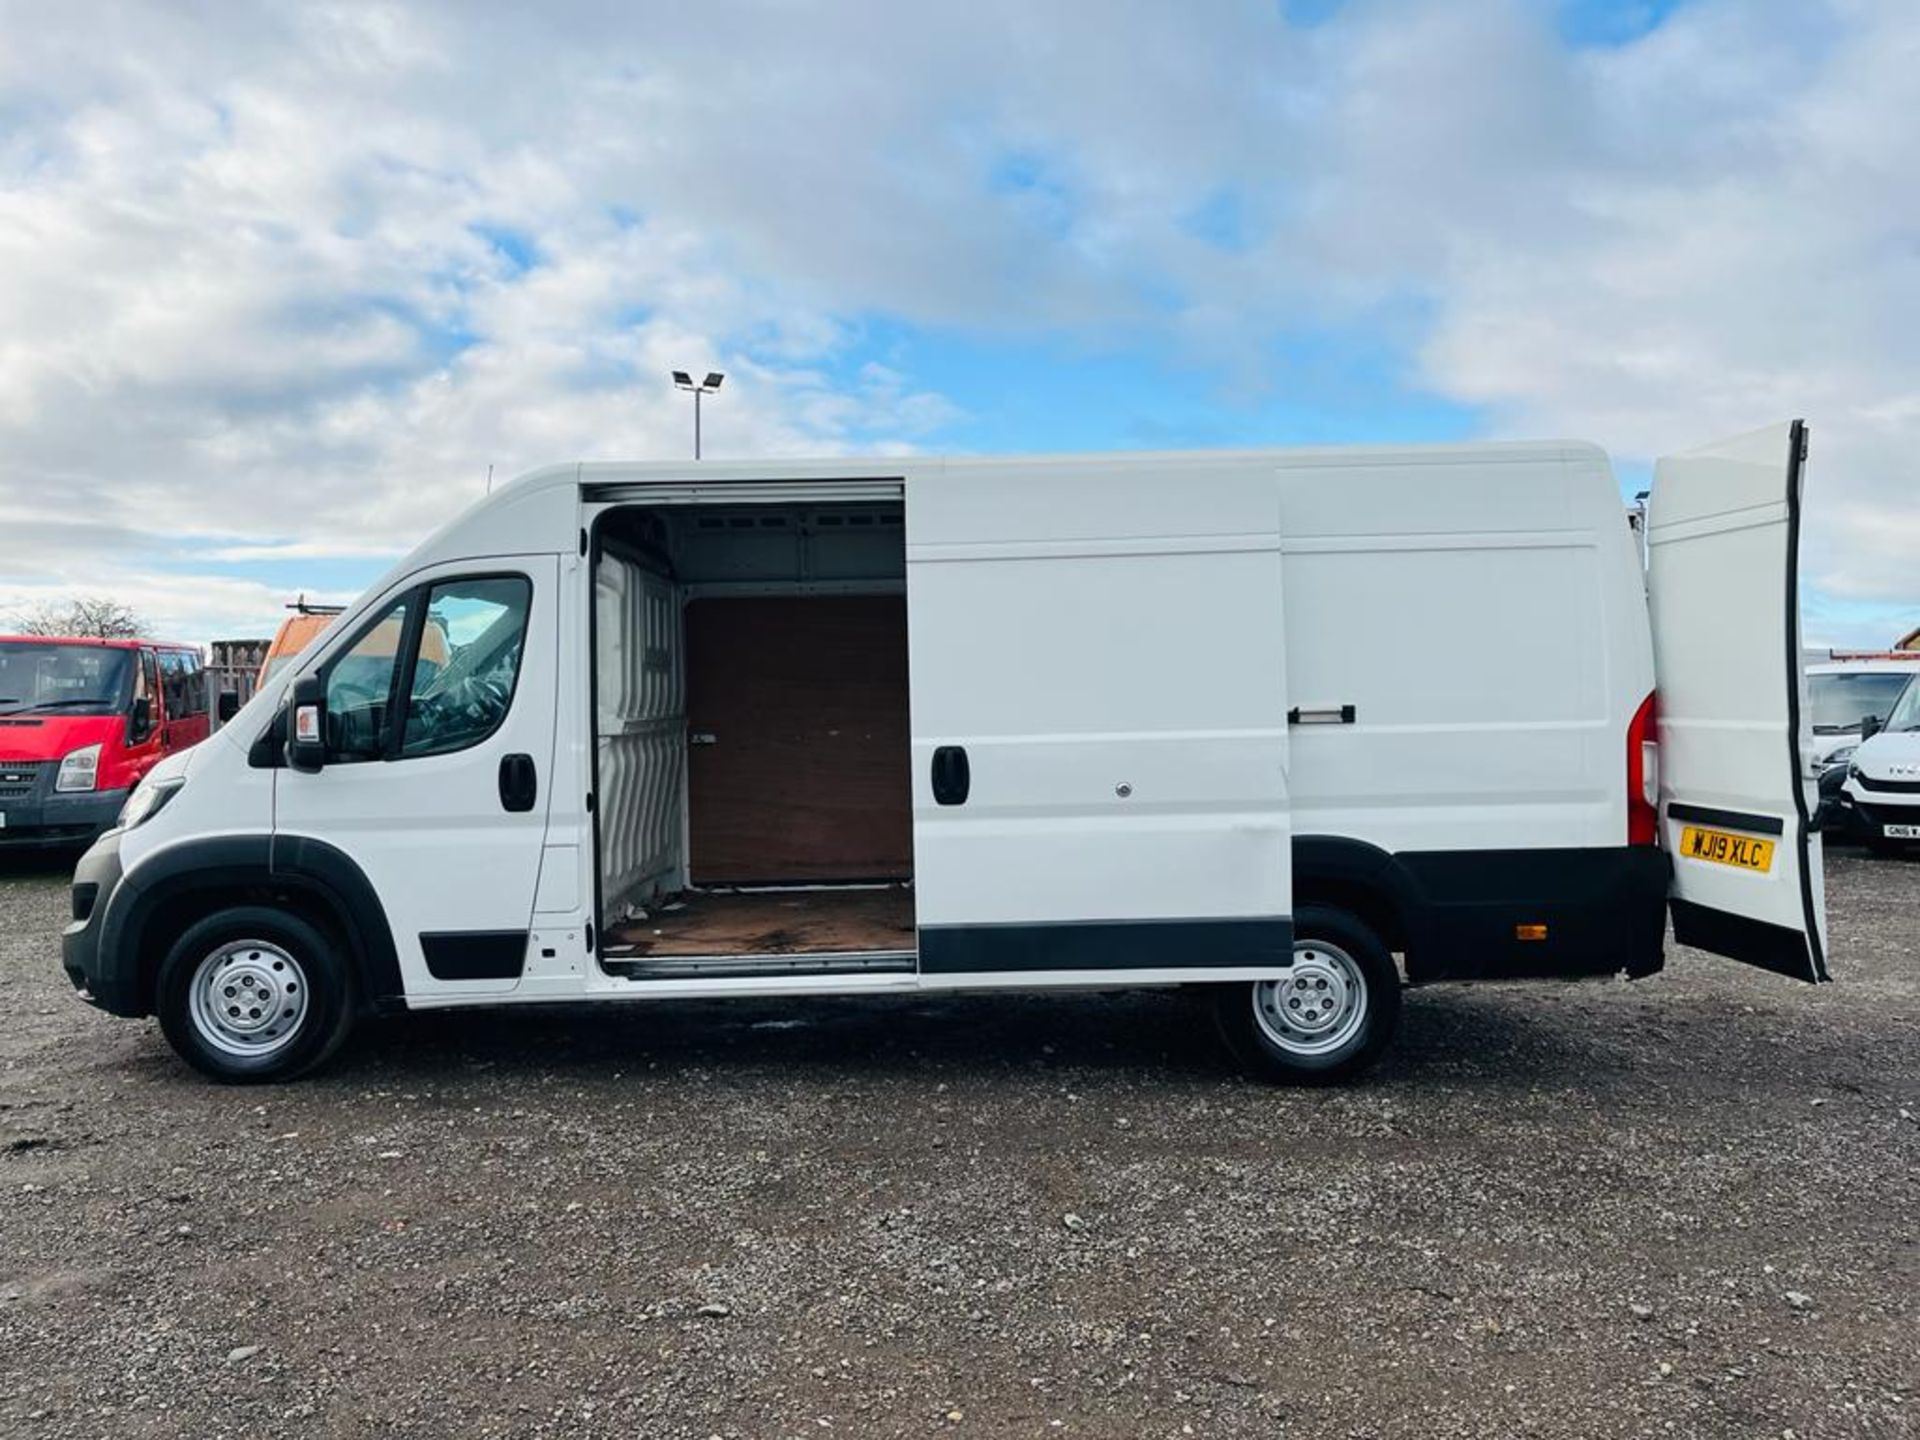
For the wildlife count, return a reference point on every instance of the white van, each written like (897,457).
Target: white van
(1256,721)
(1882,784)
(1842,692)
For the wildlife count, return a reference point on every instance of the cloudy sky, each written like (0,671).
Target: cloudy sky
(278,284)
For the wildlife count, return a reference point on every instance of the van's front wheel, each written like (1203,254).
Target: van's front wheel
(252,994)
(1328,1017)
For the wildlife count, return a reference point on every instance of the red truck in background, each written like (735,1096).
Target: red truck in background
(81,721)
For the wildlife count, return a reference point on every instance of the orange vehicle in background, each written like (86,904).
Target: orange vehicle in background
(296,632)
(304,626)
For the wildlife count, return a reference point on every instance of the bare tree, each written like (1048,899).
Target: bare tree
(98,617)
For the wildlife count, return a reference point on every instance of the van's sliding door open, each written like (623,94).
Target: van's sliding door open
(1736,789)
(1099,721)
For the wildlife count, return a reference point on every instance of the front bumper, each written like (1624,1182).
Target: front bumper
(37,814)
(95,879)
(1882,803)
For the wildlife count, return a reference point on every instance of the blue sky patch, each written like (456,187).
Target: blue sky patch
(1611,22)
(515,248)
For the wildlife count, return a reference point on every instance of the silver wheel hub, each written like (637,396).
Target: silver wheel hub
(1319,1004)
(248,998)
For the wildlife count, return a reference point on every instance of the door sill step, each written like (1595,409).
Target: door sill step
(730,967)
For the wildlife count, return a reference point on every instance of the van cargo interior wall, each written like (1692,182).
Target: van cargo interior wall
(640,729)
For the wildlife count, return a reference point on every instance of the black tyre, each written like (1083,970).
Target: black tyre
(252,994)
(1329,1018)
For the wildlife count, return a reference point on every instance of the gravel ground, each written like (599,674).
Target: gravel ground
(1683,1206)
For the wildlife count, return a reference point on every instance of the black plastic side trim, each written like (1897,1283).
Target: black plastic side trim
(333,874)
(1731,819)
(1604,909)
(475,954)
(1740,937)
(120,964)
(1358,876)
(122,967)
(1104,945)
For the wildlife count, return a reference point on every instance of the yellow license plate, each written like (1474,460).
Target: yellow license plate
(1742,852)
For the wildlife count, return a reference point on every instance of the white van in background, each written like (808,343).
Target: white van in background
(1254,721)
(1843,691)
(1882,785)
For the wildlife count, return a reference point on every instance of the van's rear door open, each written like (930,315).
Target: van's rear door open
(1099,719)
(1736,789)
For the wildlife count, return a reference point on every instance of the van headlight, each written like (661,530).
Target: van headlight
(1839,757)
(147,800)
(79,770)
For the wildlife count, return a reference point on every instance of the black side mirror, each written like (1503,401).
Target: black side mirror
(228,705)
(140,720)
(307,726)
(1871,726)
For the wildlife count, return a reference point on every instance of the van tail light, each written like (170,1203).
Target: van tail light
(1643,776)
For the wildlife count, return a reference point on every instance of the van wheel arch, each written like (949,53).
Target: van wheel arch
(1369,884)
(315,882)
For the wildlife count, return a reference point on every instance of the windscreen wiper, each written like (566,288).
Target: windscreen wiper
(59,704)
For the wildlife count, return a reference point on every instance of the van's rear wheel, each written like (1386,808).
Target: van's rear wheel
(252,994)
(1332,1013)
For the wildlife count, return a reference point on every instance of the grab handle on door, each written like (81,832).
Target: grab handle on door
(519,782)
(1320,715)
(952,776)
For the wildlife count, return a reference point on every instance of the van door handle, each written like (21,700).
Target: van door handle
(1321,715)
(519,782)
(952,776)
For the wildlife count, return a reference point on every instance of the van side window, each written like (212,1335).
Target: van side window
(181,684)
(146,686)
(360,689)
(193,683)
(467,663)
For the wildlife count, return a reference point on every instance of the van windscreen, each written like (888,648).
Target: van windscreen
(45,677)
(1840,699)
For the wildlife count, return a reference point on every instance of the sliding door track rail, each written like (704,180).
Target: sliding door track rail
(730,967)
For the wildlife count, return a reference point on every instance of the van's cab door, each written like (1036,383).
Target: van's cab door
(1737,790)
(438,772)
(146,722)
(1099,719)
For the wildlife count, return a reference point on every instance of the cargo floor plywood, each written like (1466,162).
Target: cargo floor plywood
(770,922)
(798,762)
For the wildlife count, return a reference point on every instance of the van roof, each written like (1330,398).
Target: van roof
(878,467)
(1882,661)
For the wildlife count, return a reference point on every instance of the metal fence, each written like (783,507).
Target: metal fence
(233,665)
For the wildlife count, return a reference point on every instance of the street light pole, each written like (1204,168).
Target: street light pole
(682,380)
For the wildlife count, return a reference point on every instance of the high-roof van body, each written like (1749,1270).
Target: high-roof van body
(1257,721)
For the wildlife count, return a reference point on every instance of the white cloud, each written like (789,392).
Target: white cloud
(262,288)
(1709,230)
